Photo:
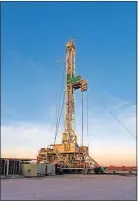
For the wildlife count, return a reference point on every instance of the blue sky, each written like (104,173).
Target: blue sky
(33,39)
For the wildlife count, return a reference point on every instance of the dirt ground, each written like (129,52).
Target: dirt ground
(70,187)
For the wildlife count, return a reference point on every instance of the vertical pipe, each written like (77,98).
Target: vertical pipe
(87,123)
(7,173)
(13,166)
(74,69)
(65,110)
(1,166)
(20,167)
(16,167)
(82,118)
(4,167)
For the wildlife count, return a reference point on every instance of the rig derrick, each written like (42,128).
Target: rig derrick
(69,154)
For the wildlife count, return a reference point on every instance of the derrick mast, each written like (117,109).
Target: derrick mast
(69,104)
(73,82)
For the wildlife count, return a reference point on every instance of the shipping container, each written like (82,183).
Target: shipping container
(41,169)
(34,170)
(50,169)
(29,170)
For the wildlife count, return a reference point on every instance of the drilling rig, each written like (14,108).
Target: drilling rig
(69,154)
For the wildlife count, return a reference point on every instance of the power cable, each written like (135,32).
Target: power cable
(58,105)
(118,120)
(87,122)
(121,124)
(58,122)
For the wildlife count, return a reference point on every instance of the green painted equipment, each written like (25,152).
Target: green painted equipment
(73,79)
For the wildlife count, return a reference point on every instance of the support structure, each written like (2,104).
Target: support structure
(69,153)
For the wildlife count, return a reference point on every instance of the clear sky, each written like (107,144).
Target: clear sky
(33,39)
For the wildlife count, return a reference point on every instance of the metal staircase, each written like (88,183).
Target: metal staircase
(61,158)
(91,160)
